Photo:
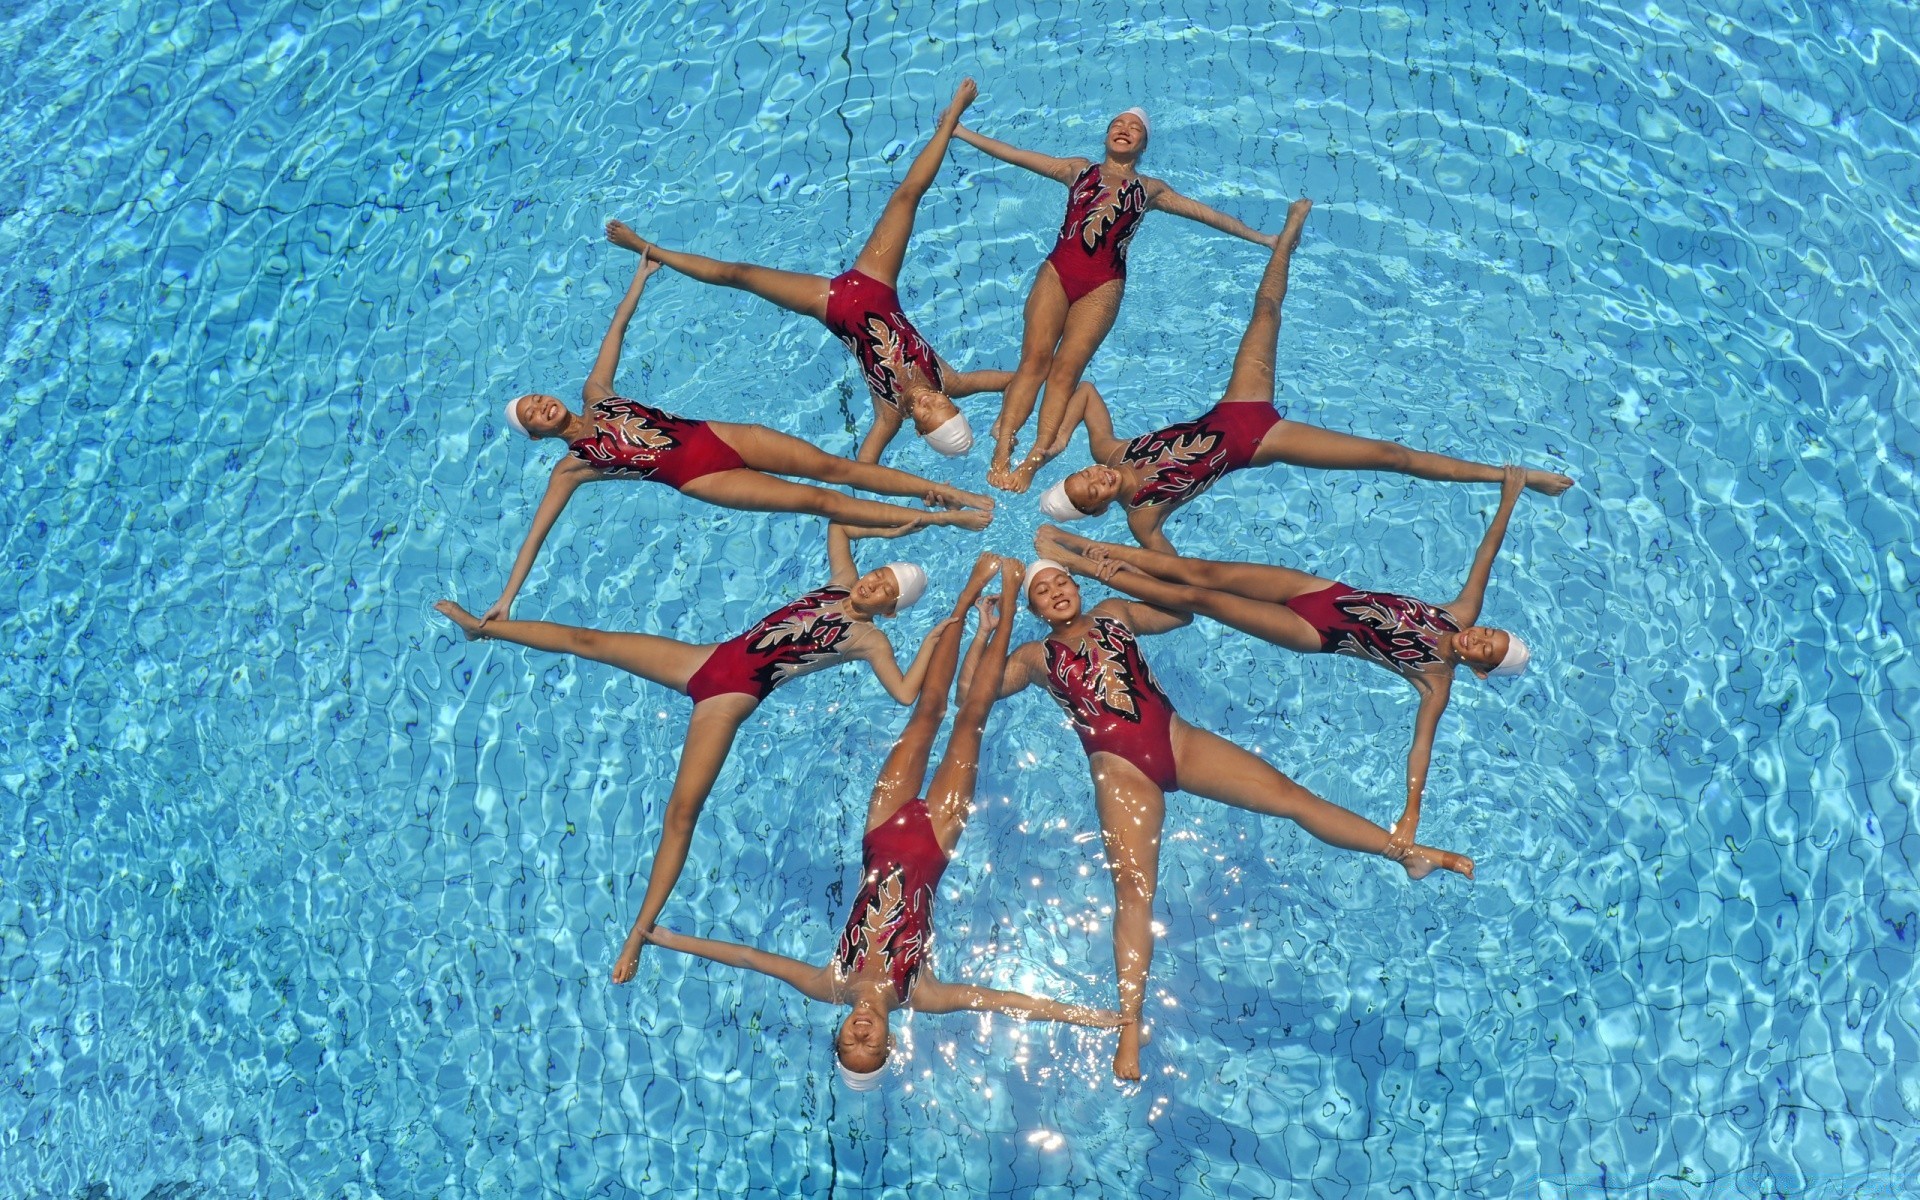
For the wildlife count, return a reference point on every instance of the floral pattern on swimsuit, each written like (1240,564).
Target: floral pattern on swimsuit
(1184,460)
(1100,217)
(631,438)
(1398,632)
(891,922)
(799,637)
(1179,463)
(866,316)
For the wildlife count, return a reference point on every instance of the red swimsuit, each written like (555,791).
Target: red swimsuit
(1395,631)
(866,315)
(893,913)
(1100,221)
(801,636)
(631,438)
(1114,701)
(1183,460)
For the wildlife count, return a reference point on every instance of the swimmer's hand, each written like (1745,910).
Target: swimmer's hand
(501,610)
(1107,1018)
(648,265)
(1513,481)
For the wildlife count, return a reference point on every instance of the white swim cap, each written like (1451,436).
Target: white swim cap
(1142,114)
(1033,572)
(952,438)
(513,415)
(859,1081)
(1055,505)
(913,584)
(1514,662)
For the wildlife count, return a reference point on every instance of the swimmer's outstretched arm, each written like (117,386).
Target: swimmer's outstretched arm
(1466,606)
(886,423)
(1434,693)
(935,996)
(1145,525)
(815,983)
(568,474)
(599,383)
(973,383)
(843,571)
(1161,195)
(1091,407)
(903,687)
(1060,170)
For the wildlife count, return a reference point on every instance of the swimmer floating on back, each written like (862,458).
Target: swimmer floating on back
(906,377)
(1139,749)
(828,625)
(734,466)
(1157,472)
(1420,642)
(1076,294)
(883,959)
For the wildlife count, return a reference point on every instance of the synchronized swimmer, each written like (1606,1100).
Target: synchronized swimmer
(1138,748)
(1077,291)
(905,376)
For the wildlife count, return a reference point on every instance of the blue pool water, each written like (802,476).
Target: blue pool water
(303,895)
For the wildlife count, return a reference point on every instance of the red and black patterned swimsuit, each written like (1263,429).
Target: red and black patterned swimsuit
(1100,221)
(1395,631)
(866,315)
(892,915)
(1113,700)
(798,637)
(1184,460)
(631,438)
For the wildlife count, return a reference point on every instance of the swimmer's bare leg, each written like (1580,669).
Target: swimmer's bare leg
(1209,765)
(710,734)
(791,290)
(886,247)
(759,492)
(1132,812)
(1310,446)
(1252,378)
(905,768)
(1044,321)
(781,454)
(660,660)
(1254,581)
(950,795)
(1088,322)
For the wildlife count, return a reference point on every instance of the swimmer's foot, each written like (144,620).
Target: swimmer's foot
(1290,232)
(965,518)
(1051,542)
(1020,478)
(622,235)
(468,623)
(1422,861)
(952,497)
(1550,482)
(1064,539)
(1126,1059)
(629,960)
(965,94)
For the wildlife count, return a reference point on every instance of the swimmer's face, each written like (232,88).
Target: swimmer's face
(1093,488)
(1126,135)
(931,409)
(1054,596)
(1481,648)
(876,593)
(543,415)
(863,1041)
